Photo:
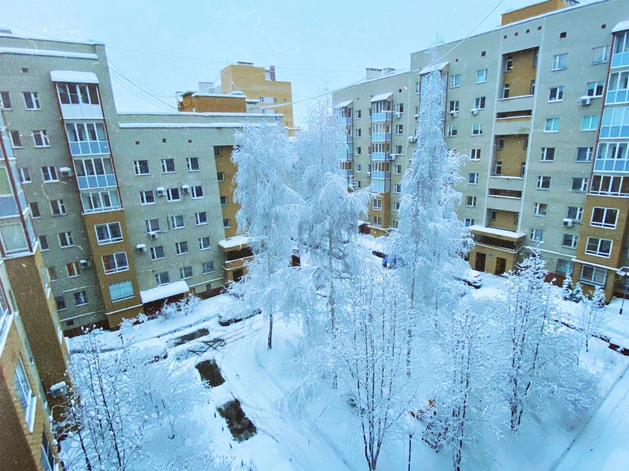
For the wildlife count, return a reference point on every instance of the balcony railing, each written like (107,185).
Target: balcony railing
(380,175)
(611,165)
(96,181)
(89,147)
(381,156)
(380,117)
(381,137)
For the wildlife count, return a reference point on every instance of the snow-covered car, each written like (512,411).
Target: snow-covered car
(471,278)
(228,318)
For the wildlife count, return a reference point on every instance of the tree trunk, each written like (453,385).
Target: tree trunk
(270,330)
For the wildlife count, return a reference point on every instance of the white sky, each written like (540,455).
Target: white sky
(317,45)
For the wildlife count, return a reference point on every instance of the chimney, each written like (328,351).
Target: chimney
(372,73)
(272,73)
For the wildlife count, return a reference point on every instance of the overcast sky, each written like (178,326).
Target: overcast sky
(317,45)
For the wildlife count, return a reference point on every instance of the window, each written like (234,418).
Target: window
(217,151)
(173,194)
(479,103)
(359,150)
(358,114)
(584,154)
(570,241)
(205,243)
(65,239)
(358,132)
(451,131)
(76,94)
(399,129)
(600,54)
(40,137)
(589,123)
(377,204)
(108,233)
(593,275)
(162,278)
(532,89)
(24,392)
(618,89)
(500,143)
(177,222)
(115,263)
(377,221)
(470,201)
(192,164)
(548,154)
(604,217)
(595,89)
(475,154)
(208,267)
(472,178)
(543,183)
(469,222)
(25,175)
(498,167)
(359,167)
(493,214)
(399,149)
(61,303)
(481,76)
(58,208)
(31,101)
(560,61)
(552,125)
(147,197)
(152,225)
(157,252)
(185,272)
(196,191)
(455,81)
(181,247)
(122,290)
(35,210)
(49,174)
(615,122)
(16,139)
(5,101)
(396,206)
(477,129)
(141,167)
(555,93)
(227,223)
(508,63)
(43,243)
(87,138)
(200,218)
(168,165)
(579,184)
(564,267)
(454,106)
(52,274)
(223,200)
(575,213)
(398,187)
(506,90)
(598,247)
(220,176)
(540,209)
(537,235)
(80,298)
(100,201)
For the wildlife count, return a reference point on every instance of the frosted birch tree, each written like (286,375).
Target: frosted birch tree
(269,209)
(590,314)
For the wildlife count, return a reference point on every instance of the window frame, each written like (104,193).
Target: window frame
(548,154)
(107,227)
(117,262)
(34,99)
(192,164)
(560,62)
(168,165)
(570,241)
(599,251)
(43,136)
(481,75)
(138,167)
(603,220)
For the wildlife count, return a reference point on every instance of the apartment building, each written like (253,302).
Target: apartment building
(536,105)
(33,354)
(128,208)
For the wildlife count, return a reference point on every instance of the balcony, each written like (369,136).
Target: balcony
(81,111)
(381,137)
(504,203)
(350,139)
(611,165)
(516,103)
(381,117)
(381,156)
(96,181)
(380,175)
(513,125)
(89,147)
(506,183)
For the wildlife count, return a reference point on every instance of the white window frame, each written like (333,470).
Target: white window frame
(65,239)
(589,154)
(162,278)
(589,123)
(154,252)
(25,175)
(34,100)
(475,154)
(479,103)
(73,269)
(185,272)
(196,191)
(560,61)
(166,164)
(182,247)
(206,265)
(537,235)
(470,201)
(205,243)
(481,76)
(596,273)
(540,209)
(555,93)
(138,167)
(107,229)
(543,182)
(583,185)
(578,213)
(82,297)
(177,222)
(472,178)
(40,138)
(118,262)
(377,204)
(548,154)
(570,241)
(173,194)
(124,292)
(147,197)
(451,130)
(477,129)
(455,81)
(152,225)
(596,54)
(552,125)
(57,207)
(603,220)
(24,391)
(599,250)
(192,164)
(198,218)
(595,89)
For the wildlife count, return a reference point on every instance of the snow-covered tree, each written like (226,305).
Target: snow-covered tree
(590,315)
(269,209)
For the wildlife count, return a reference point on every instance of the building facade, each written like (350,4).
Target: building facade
(537,106)
(128,208)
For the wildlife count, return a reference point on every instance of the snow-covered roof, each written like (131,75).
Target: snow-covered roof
(343,104)
(432,68)
(235,241)
(622,26)
(47,52)
(73,76)
(382,96)
(164,291)
(498,232)
(217,95)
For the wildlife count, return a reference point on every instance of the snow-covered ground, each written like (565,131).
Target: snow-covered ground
(322,431)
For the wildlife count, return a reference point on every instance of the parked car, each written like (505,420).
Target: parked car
(228,318)
(471,278)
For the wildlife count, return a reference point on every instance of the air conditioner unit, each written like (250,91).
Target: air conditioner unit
(412,139)
(59,389)
(85,263)
(568,222)
(474,111)
(152,235)
(185,188)
(454,114)
(161,191)
(141,248)
(585,100)
(398,114)
(65,172)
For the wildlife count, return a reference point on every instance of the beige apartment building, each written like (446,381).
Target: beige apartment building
(129,209)
(540,108)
